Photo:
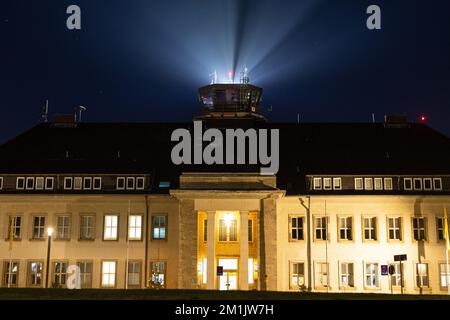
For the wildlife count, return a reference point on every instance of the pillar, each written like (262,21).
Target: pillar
(211,251)
(243,261)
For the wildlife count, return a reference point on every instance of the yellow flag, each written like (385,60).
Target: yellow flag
(447,235)
(11,231)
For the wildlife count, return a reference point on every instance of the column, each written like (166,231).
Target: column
(243,261)
(211,251)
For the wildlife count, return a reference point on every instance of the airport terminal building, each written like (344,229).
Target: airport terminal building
(347,197)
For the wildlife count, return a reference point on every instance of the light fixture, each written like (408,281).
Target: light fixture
(227,219)
(49,231)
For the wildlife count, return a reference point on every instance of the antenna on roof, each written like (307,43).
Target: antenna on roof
(44,113)
(213,77)
(373,117)
(244,76)
(79,109)
(298,117)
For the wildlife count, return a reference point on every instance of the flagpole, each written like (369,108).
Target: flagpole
(447,249)
(447,271)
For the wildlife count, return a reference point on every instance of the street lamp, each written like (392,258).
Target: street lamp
(49,234)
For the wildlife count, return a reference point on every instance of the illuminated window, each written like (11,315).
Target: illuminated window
(38,227)
(394,228)
(110,229)
(78,183)
(227,230)
(388,184)
(337,183)
(87,227)
(372,275)
(85,274)
(327,184)
(158,273)
(378,183)
(97,183)
(346,275)
(131,183)
(368,183)
(317,183)
(40,183)
(63,227)
(359,185)
(444,275)
(59,273)
(109,273)
(16,227)
(120,183)
(419,229)
(345,228)
(297,275)
(49,182)
(1,183)
(20,183)
(437,184)
(417,184)
(250,230)
(422,278)
(205,230)
(87,183)
(407,184)
(321,275)
(296,228)
(35,273)
(159,227)
(68,181)
(30,183)
(396,277)
(321,228)
(251,271)
(10,273)
(135,227)
(134,273)
(370,228)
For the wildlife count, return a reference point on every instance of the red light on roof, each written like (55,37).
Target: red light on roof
(423,118)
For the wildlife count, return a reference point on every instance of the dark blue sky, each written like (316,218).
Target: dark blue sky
(143,60)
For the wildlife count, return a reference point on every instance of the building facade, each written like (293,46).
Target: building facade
(347,198)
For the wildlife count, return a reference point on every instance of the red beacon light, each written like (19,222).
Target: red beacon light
(423,118)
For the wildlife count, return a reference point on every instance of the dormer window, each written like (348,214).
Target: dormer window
(120,183)
(68,183)
(130,183)
(437,184)
(317,183)
(49,181)
(30,183)
(140,183)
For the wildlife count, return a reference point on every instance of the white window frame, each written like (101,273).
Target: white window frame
(359,180)
(421,184)
(368,184)
(135,223)
(397,225)
(372,228)
(317,183)
(42,180)
(378,181)
(100,183)
(47,179)
(344,273)
(296,279)
(1,183)
(137,183)
(80,180)
(435,180)
(373,276)
(66,180)
(117,183)
(86,179)
(109,273)
(430,180)
(337,183)
(17,183)
(419,279)
(133,179)
(111,227)
(388,184)
(327,184)
(410,180)
(26,183)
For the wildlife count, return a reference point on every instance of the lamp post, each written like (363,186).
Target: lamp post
(49,245)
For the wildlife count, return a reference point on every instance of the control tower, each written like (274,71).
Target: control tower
(234,101)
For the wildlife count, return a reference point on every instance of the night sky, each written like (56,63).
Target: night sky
(142,60)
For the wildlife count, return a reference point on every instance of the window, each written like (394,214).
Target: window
(205,230)
(297,278)
(394,228)
(109,273)
(158,273)
(63,227)
(444,275)
(372,275)
(135,227)
(345,228)
(16,227)
(419,230)
(87,227)
(110,227)
(59,274)
(130,183)
(368,183)
(251,271)
(68,183)
(1,183)
(78,183)
(370,228)
(10,273)
(422,278)
(321,274)
(164,184)
(140,183)
(327,184)
(87,183)
(346,279)
(396,278)
(378,183)
(85,274)
(97,183)
(134,273)
(417,184)
(437,184)
(427,184)
(440,229)
(30,183)
(321,228)
(120,183)
(359,184)
(49,181)
(35,273)
(388,184)
(40,183)
(250,230)
(20,183)
(337,183)
(296,228)
(407,184)
(38,227)
(317,183)
(159,226)
(227,230)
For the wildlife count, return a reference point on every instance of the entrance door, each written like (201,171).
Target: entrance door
(228,281)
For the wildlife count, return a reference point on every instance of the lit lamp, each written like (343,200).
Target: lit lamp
(227,220)
(49,234)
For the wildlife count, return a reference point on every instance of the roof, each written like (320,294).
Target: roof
(305,149)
